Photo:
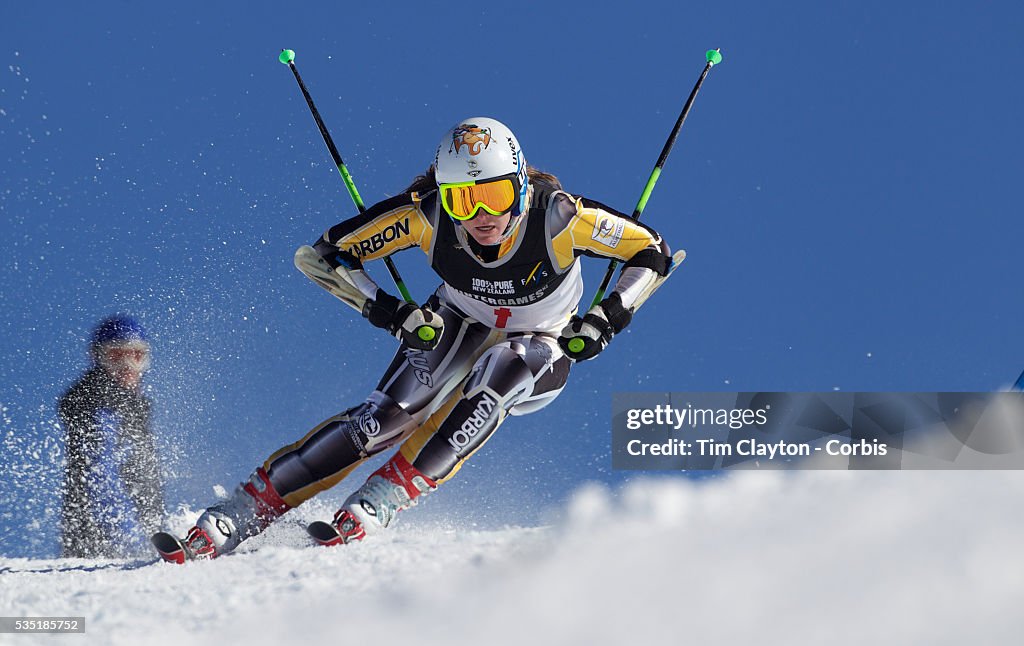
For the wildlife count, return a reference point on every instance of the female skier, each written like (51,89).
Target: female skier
(497,337)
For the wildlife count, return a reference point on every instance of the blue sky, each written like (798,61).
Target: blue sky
(846,188)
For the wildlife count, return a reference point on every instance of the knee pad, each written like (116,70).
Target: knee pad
(503,373)
(339,443)
(377,423)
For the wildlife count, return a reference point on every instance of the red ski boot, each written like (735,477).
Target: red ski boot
(222,527)
(395,486)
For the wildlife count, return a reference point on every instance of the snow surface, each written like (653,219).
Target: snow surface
(771,558)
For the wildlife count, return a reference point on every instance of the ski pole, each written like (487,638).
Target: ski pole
(714,57)
(288,58)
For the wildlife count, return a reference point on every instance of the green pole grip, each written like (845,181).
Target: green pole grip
(351,186)
(646,195)
(404,292)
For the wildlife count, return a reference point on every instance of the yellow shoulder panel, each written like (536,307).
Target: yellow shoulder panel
(602,233)
(400,228)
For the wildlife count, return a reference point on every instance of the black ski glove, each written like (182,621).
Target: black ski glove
(584,338)
(417,327)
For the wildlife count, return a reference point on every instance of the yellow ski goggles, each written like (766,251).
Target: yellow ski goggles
(462,200)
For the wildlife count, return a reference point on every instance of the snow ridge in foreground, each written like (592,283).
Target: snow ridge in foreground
(842,557)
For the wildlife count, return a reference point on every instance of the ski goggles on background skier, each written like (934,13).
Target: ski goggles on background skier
(463,200)
(132,355)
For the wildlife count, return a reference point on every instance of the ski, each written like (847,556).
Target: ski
(310,263)
(324,533)
(171,549)
(677,259)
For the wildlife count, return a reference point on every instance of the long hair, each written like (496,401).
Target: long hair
(428,181)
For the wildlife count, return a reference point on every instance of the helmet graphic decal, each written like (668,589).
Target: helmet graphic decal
(473,137)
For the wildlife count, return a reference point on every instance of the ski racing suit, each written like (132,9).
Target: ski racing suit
(498,354)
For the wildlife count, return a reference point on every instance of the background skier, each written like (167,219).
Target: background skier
(113,495)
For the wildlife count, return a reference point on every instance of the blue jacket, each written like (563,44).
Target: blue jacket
(113,494)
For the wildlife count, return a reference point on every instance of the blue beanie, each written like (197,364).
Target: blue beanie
(118,328)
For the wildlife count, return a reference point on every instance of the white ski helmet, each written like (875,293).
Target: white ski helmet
(481,149)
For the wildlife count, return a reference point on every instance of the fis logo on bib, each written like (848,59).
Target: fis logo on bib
(535,274)
(608,231)
(377,241)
